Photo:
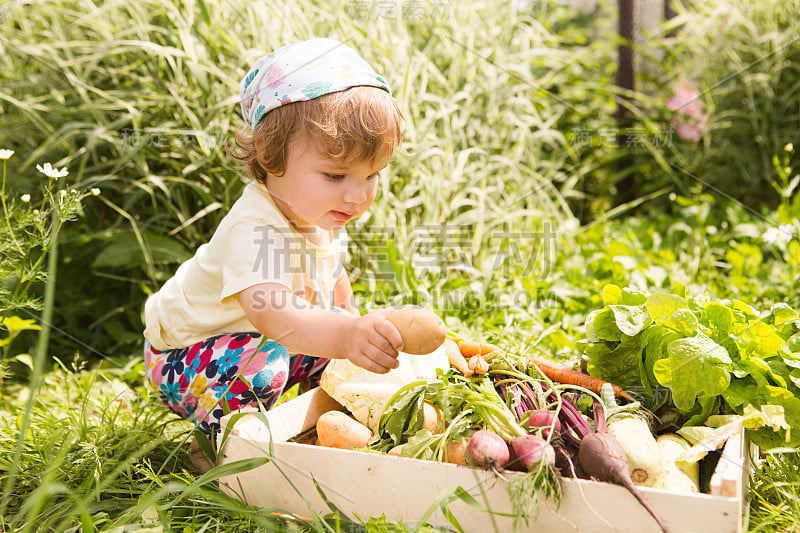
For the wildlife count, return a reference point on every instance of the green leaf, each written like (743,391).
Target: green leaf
(794,377)
(696,366)
(420,445)
(25,359)
(15,324)
(767,437)
(125,251)
(616,363)
(740,392)
(612,294)
(782,313)
(633,297)
(630,319)
(673,312)
(793,253)
(738,305)
(760,339)
(655,341)
(719,317)
(605,327)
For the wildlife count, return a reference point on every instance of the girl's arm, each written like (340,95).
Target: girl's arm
(369,341)
(343,295)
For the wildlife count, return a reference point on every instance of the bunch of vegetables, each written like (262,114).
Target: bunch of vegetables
(504,413)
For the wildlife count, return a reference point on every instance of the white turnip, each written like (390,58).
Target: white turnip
(678,476)
(634,435)
(487,449)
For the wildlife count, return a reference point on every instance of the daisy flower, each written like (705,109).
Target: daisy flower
(52,172)
(779,236)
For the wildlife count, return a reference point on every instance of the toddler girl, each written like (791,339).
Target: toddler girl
(266,301)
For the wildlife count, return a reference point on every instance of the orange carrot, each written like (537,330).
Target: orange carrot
(471,348)
(562,374)
(455,358)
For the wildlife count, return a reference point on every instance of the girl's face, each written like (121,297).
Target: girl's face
(316,192)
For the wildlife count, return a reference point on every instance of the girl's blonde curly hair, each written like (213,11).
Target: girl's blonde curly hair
(358,124)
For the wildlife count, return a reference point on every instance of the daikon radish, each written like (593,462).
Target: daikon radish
(679,476)
(634,435)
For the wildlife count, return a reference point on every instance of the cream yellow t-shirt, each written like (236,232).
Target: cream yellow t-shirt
(253,244)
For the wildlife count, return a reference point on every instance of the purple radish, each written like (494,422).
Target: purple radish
(602,457)
(487,449)
(531,451)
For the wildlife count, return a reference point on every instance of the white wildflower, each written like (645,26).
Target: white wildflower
(95,191)
(26,198)
(52,172)
(779,236)
(5,154)
(789,147)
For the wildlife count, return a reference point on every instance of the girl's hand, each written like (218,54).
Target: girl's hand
(372,342)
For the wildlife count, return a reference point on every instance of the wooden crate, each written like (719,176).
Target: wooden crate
(365,485)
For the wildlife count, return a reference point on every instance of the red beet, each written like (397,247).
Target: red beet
(487,449)
(602,457)
(532,450)
(542,418)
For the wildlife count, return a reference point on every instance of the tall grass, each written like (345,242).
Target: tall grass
(743,57)
(100,454)
(139,97)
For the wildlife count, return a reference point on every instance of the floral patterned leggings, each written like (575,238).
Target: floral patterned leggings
(198,382)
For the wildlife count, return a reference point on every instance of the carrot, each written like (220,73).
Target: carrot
(561,374)
(471,348)
(455,358)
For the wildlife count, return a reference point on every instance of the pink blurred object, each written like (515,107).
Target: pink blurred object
(690,120)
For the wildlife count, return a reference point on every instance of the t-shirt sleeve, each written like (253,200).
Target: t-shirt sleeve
(258,253)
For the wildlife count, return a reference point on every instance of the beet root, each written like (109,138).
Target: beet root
(544,419)
(531,450)
(602,457)
(487,449)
